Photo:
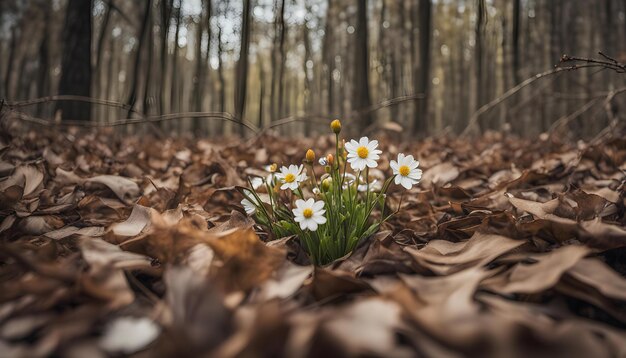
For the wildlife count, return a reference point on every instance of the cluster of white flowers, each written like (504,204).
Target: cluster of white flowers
(361,155)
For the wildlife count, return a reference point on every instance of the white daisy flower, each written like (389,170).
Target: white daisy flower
(375,185)
(256,182)
(250,202)
(248,206)
(363,153)
(291,177)
(309,214)
(406,171)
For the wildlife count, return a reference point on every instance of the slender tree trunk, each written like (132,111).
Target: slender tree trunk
(174,103)
(150,53)
(166,18)
(360,91)
(261,91)
(274,65)
(2,78)
(220,71)
(329,59)
(515,69)
(76,61)
(43,77)
(102,36)
(383,54)
(309,74)
(207,53)
(422,79)
(108,92)
(196,100)
(132,98)
(478,55)
(283,59)
(23,80)
(241,83)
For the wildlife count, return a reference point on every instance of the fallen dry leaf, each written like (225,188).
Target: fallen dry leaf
(118,245)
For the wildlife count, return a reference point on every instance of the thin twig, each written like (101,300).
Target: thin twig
(131,121)
(473,121)
(315,118)
(568,118)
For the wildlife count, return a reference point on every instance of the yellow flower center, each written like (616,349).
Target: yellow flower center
(362,152)
(289,178)
(404,170)
(307,213)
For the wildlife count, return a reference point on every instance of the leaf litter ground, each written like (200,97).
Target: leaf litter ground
(138,246)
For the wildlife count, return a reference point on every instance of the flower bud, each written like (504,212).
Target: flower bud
(335,126)
(330,159)
(273,168)
(310,156)
(326,184)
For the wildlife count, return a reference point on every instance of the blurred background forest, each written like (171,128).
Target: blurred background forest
(427,65)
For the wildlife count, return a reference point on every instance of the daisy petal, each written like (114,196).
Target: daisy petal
(319,205)
(319,219)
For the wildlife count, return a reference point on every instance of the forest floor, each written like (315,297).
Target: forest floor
(138,246)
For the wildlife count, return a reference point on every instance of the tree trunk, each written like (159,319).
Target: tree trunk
(10,62)
(166,18)
(241,83)
(76,61)
(383,54)
(283,58)
(150,53)
(174,103)
(220,71)
(198,77)
(207,59)
(329,59)
(102,36)
(43,76)
(478,56)
(109,88)
(2,78)
(515,41)
(361,100)
(424,19)
(261,91)
(132,98)
(308,80)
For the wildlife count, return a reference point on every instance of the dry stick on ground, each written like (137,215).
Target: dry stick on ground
(315,118)
(564,120)
(130,121)
(561,122)
(613,122)
(473,121)
(609,63)
(104,102)
(513,110)
(354,115)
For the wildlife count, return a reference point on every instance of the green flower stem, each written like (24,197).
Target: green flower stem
(313,177)
(259,204)
(298,193)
